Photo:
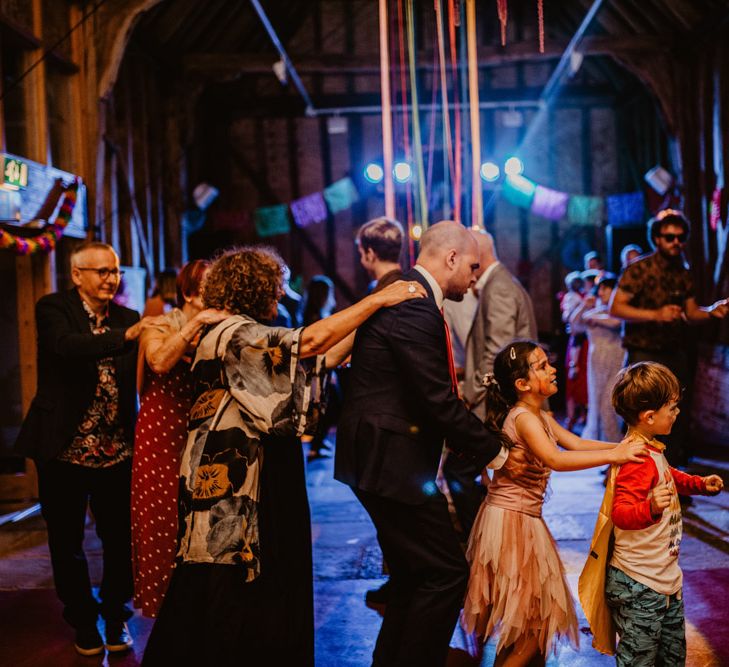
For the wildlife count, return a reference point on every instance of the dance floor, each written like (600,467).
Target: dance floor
(347,562)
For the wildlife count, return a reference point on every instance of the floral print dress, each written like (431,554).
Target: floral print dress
(243,587)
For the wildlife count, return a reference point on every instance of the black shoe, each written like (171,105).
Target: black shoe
(379,595)
(88,640)
(118,638)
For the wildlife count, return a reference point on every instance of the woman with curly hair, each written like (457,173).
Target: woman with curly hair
(242,590)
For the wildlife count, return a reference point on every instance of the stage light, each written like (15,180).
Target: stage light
(373,172)
(490,171)
(402,172)
(416,232)
(513,167)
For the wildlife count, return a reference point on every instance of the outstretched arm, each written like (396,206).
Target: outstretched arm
(531,429)
(321,336)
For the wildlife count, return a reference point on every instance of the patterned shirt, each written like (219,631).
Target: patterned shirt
(249,382)
(653,282)
(99,441)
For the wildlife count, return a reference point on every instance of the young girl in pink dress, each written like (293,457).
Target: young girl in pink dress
(517,587)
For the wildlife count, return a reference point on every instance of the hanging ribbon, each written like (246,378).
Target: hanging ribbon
(386,112)
(503,11)
(454,20)
(447,141)
(422,199)
(473,101)
(540,22)
(405,119)
(47,239)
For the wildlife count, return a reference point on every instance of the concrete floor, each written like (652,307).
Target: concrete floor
(347,562)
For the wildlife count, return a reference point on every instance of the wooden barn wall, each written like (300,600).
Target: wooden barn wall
(139,178)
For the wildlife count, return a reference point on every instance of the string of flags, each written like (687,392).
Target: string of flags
(620,210)
(305,211)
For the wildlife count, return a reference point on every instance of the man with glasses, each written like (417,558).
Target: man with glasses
(655,298)
(79,431)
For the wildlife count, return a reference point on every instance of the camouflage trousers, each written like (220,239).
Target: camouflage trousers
(650,624)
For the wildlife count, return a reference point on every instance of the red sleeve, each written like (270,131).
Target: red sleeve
(631,505)
(688,485)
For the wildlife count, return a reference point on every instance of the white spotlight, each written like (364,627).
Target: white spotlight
(402,172)
(513,167)
(490,171)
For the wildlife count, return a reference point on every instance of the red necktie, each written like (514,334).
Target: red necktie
(451,362)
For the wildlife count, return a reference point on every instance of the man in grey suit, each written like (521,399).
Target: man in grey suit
(503,312)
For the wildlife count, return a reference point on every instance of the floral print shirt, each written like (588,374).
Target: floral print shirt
(249,382)
(99,441)
(653,282)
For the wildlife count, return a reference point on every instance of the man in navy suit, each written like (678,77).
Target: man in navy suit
(402,404)
(79,431)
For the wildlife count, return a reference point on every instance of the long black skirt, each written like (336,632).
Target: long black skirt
(211,616)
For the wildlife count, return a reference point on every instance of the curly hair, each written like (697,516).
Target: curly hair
(245,281)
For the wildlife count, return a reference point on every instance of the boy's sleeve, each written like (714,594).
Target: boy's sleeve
(631,504)
(688,485)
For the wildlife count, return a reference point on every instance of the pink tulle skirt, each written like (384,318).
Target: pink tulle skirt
(517,586)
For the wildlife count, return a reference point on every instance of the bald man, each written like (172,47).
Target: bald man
(400,408)
(495,311)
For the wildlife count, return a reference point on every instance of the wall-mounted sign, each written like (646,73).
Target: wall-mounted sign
(15,173)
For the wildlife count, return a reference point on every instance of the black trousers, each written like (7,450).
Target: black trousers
(678,449)
(66,490)
(467,494)
(428,575)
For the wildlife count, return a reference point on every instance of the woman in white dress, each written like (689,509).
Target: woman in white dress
(605,359)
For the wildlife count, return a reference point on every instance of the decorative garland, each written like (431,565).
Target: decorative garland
(47,239)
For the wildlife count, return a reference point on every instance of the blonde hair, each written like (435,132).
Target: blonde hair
(642,386)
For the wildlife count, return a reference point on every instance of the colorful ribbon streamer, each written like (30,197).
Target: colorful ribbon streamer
(47,239)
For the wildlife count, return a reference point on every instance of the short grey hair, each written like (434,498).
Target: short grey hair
(89,245)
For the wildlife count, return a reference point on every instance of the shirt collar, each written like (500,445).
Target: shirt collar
(653,443)
(96,319)
(485,276)
(437,291)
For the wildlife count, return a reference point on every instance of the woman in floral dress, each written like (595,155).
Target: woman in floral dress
(242,591)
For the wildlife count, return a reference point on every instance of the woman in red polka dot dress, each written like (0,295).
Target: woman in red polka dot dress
(165,390)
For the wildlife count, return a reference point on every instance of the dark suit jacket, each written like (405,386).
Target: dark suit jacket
(67,373)
(504,312)
(400,406)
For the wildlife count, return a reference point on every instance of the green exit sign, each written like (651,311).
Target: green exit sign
(15,172)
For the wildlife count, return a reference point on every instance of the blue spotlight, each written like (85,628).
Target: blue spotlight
(514,167)
(373,172)
(490,171)
(402,172)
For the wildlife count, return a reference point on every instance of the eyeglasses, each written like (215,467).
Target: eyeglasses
(670,238)
(103,273)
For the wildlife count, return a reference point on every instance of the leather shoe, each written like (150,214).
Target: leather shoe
(118,638)
(88,640)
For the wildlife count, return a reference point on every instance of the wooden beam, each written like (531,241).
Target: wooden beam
(231,64)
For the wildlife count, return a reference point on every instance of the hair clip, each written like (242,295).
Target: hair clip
(490,380)
(512,353)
